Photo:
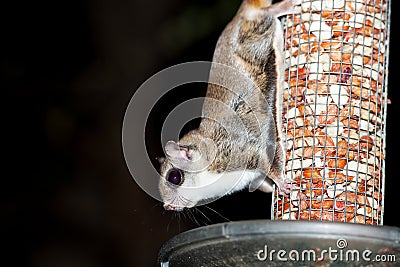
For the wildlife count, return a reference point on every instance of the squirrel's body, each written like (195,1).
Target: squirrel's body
(239,140)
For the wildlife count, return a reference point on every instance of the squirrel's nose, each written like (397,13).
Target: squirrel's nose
(168,207)
(171,207)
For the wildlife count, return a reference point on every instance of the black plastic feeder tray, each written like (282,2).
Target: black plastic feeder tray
(283,243)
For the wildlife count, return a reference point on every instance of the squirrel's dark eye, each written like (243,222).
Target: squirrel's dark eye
(175,176)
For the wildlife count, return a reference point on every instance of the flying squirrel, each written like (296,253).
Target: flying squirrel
(238,143)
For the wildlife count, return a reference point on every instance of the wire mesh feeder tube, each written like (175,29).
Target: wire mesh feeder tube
(334,111)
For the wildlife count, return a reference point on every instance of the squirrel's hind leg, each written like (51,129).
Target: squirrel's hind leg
(284,7)
(259,3)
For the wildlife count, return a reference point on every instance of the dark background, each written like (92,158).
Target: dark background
(68,70)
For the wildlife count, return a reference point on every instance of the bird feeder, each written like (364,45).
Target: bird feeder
(334,111)
(334,114)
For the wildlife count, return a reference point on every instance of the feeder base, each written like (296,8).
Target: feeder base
(283,243)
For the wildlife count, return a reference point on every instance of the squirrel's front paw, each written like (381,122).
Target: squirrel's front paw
(284,186)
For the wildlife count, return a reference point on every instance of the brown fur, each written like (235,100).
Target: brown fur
(249,46)
(259,3)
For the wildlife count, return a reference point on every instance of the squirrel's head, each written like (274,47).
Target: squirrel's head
(183,170)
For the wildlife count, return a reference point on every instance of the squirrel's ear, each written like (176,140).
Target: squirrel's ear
(176,152)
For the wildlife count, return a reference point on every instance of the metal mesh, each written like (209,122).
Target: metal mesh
(334,111)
